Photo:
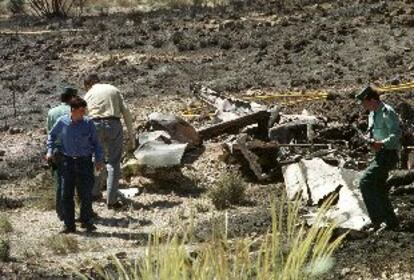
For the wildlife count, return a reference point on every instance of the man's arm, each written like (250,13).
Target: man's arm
(52,136)
(98,151)
(393,125)
(49,122)
(128,122)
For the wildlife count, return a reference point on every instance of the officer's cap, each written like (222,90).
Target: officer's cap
(68,90)
(367,92)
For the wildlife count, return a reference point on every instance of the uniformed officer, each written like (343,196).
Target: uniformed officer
(384,138)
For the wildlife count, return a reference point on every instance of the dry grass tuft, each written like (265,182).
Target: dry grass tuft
(62,244)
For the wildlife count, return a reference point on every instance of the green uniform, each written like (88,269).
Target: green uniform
(383,125)
(53,115)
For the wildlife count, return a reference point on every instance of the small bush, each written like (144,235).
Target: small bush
(229,190)
(16,7)
(4,250)
(177,4)
(62,244)
(5,225)
(57,8)
(9,203)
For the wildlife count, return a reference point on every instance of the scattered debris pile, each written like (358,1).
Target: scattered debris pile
(232,115)
(259,156)
(297,128)
(315,158)
(266,138)
(227,108)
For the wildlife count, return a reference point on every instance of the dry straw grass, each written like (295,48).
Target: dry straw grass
(290,250)
(42,192)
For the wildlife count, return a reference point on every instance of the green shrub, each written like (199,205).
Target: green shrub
(4,250)
(228,190)
(62,244)
(176,4)
(16,6)
(5,225)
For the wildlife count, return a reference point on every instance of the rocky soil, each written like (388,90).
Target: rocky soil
(336,46)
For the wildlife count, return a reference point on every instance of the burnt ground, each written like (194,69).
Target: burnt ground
(337,46)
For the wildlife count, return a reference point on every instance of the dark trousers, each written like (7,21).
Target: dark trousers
(77,172)
(374,190)
(57,179)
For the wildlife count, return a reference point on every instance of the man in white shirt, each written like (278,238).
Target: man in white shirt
(106,106)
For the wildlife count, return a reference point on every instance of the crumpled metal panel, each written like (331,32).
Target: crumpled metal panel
(295,181)
(158,135)
(156,154)
(316,180)
(129,193)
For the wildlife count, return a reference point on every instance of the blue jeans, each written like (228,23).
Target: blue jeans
(77,173)
(110,135)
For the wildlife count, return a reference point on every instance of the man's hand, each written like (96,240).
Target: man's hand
(377,146)
(99,166)
(49,157)
(50,160)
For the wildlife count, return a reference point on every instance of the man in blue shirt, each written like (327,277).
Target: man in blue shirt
(79,141)
(52,116)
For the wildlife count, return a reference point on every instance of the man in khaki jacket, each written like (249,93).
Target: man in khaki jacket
(106,106)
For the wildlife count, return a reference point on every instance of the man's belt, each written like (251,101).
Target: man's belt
(106,119)
(78,157)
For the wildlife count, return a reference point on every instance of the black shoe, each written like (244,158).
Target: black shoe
(377,229)
(116,206)
(373,227)
(98,197)
(393,227)
(94,215)
(89,227)
(67,230)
